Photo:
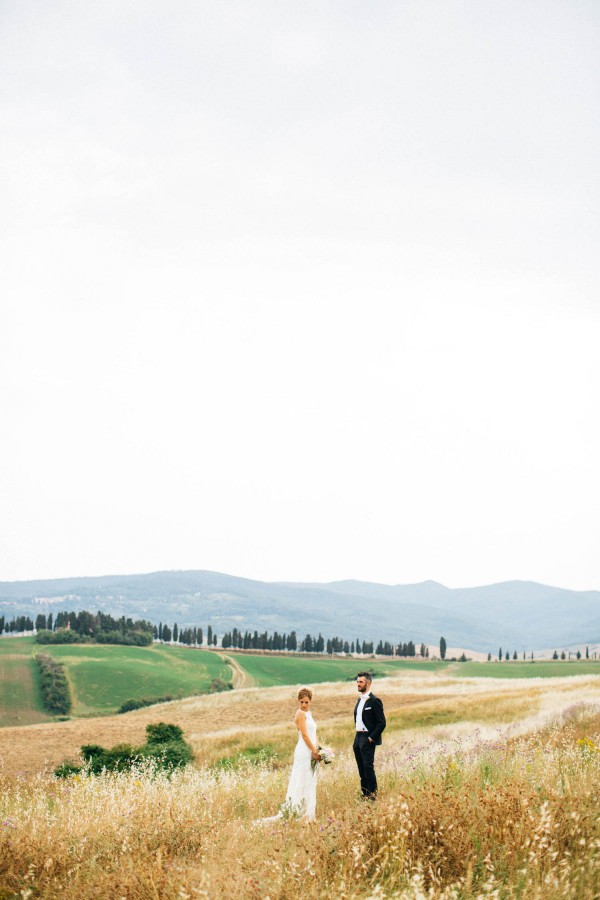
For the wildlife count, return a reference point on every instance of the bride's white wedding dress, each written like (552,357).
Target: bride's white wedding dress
(301,797)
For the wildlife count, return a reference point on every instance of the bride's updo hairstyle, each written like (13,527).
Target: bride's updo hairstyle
(304,692)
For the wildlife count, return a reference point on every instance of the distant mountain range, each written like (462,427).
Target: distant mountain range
(517,615)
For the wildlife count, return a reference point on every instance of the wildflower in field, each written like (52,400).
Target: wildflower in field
(587,746)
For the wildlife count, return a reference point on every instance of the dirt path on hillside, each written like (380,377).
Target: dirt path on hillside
(240,679)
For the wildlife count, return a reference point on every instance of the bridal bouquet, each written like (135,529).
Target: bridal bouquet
(326,755)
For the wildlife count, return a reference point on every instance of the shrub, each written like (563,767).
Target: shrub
(128,638)
(66,770)
(170,754)
(162,733)
(165,744)
(130,705)
(61,636)
(54,687)
(117,759)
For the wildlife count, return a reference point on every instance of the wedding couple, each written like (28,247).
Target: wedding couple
(369,720)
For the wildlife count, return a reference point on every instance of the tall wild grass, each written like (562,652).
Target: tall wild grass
(501,819)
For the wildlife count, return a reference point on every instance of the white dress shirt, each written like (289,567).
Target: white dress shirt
(360,725)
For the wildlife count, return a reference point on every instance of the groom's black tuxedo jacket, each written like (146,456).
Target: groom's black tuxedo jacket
(373,717)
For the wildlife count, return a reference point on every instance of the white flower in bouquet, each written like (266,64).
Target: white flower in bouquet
(326,755)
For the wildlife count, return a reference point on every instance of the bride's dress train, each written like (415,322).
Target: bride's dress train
(301,797)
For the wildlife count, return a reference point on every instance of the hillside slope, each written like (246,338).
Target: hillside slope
(516,614)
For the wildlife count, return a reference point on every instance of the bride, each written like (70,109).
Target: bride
(301,797)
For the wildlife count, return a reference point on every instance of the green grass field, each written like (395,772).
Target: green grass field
(102,677)
(20,702)
(268,671)
(527,669)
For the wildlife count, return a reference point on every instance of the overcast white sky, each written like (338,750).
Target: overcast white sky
(301,291)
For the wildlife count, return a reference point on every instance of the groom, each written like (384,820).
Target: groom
(369,719)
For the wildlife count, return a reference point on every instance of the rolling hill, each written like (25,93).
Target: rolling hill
(517,615)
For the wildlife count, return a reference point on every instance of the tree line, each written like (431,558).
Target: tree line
(83,627)
(555,655)
(16,624)
(505,655)
(247,640)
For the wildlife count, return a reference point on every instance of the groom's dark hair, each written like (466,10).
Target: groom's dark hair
(366,675)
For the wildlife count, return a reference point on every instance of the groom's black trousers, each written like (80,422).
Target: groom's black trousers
(364,751)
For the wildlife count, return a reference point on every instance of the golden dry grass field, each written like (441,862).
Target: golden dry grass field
(488,788)
(219,724)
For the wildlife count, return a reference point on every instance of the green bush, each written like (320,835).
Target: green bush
(54,687)
(128,638)
(91,751)
(171,754)
(132,637)
(119,758)
(130,705)
(161,733)
(61,636)
(66,770)
(165,744)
